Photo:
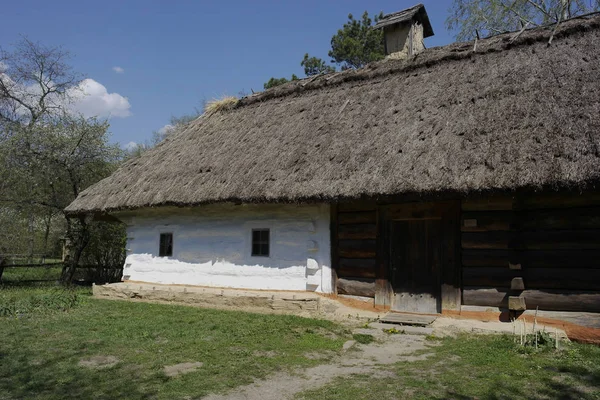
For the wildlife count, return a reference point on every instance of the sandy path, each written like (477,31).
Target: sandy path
(360,359)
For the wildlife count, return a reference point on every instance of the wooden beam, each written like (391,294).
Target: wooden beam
(383,288)
(551,300)
(357,287)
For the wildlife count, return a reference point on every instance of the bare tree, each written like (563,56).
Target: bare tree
(488,17)
(35,82)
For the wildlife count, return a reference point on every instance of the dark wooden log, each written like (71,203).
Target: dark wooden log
(383,287)
(532,220)
(534,278)
(358,217)
(361,205)
(542,240)
(485,203)
(532,258)
(360,231)
(486,221)
(531,201)
(558,200)
(450,262)
(357,267)
(357,248)
(551,300)
(356,287)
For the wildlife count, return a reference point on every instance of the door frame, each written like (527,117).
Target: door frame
(450,277)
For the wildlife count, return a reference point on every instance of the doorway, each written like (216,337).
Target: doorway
(415,265)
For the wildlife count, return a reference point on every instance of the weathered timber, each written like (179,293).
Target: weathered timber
(365,205)
(536,278)
(358,217)
(357,248)
(383,287)
(543,240)
(502,202)
(486,221)
(356,287)
(531,258)
(516,303)
(359,231)
(558,200)
(530,220)
(551,300)
(531,201)
(357,267)
(450,263)
(517,284)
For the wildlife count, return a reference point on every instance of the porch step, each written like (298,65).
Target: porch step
(405,329)
(408,319)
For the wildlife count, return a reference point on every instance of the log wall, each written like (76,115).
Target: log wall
(543,247)
(356,248)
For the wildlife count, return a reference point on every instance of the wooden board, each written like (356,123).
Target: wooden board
(551,300)
(534,278)
(357,248)
(358,231)
(416,264)
(531,258)
(542,240)
(357,267)
(356,287)
(407,319)
(357,217)
(530,220)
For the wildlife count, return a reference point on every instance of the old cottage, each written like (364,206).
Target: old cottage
(456,176)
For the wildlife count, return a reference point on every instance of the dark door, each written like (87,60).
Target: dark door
(415,249)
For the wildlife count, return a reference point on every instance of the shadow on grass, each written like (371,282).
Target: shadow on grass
(61,377)
(568,382)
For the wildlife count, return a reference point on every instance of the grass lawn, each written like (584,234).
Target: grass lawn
(42,349)
(57,344)
(15,275)
(478,367)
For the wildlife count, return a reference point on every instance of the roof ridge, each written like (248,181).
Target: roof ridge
(451,52)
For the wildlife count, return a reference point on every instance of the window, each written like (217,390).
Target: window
(166,245)
(260,242)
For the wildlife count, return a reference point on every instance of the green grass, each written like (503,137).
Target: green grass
(14,275)
(481,367)
(40,349)
(37,300)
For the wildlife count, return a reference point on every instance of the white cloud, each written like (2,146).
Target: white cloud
(165,130)
(130,146)
(3,67)
(118,70)
(93,100)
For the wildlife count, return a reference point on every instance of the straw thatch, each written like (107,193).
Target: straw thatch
(513,114)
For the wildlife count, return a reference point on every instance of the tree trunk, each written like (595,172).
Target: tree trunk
(79,238)
(566,9)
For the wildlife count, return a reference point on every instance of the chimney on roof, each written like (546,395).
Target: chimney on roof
(405,31)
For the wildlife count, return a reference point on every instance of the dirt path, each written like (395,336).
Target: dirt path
(359,359)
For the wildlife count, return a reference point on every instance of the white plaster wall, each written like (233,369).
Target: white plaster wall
(212,246)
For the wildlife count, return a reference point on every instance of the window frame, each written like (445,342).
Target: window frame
(161,246)
(260,242)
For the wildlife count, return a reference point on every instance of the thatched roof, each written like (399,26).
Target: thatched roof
(511,115)
(417,12)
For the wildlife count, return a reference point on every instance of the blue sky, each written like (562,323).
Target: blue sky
(175,54)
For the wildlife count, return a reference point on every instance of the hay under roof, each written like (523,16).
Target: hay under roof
(511,115)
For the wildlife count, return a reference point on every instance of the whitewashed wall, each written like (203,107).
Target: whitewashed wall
(212,246)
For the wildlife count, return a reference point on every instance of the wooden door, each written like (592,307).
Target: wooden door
(415,250)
